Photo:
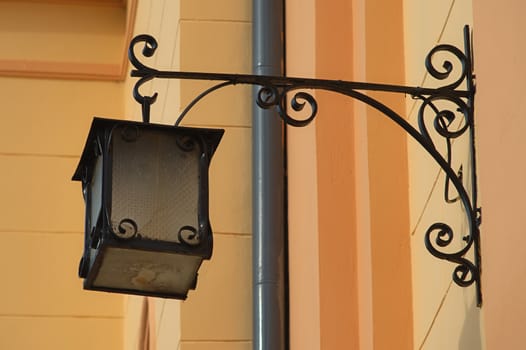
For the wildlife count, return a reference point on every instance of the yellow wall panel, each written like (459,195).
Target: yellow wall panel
(215,46)
(38,195)
(44,125)
(432,277)
(218,345)
(230,106)
(166,33)
(220,306)
(39,277)
(226,10)
(230,183)
(461,14)
(423,23)
(54,32)
(60,333)
(142,18)
(453,329)
(133,327)
(53,116)
(168,328)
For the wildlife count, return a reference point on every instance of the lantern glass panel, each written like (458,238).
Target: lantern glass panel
(95,194)
(155,183)
(144,271)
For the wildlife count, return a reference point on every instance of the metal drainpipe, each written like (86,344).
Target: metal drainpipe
(268,247)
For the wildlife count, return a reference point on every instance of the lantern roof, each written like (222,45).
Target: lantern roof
(98,125)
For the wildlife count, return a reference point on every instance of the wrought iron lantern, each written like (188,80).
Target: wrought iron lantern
(145,187)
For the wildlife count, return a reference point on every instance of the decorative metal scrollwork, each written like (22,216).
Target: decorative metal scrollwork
(150,45)
(272,96)
(125,229)
(289,95)
(188,235)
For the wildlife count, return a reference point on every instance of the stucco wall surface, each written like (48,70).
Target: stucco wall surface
(43,306)
(499,63)
(445,315)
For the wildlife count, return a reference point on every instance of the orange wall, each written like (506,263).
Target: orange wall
(388,176)
(344,274)
(336,197)
(499,64)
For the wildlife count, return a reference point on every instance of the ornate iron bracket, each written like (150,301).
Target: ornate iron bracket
(449,123)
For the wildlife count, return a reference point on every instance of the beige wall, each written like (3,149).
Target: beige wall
(445,315)
(303,221)
(214,37)
(499,62)
(45,122)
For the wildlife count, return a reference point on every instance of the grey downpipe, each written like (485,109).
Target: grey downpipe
(268,247)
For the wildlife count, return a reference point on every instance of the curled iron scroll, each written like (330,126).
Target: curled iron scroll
(447,68)
(447,125)
(272,96)
(144,72)
(465,273)
(125,228)
(189,235)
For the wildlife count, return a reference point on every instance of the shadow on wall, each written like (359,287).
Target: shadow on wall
(471,335)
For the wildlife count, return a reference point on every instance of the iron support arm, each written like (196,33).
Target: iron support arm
(450,106)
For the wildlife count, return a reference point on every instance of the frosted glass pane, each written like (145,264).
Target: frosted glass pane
(155,182)
(147,271)
(96,192)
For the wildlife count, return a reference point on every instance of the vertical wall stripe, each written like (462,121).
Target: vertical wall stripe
(363,214)
(388,176)
(304,276)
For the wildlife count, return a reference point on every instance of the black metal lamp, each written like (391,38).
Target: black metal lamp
(145,186)
(445,113)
